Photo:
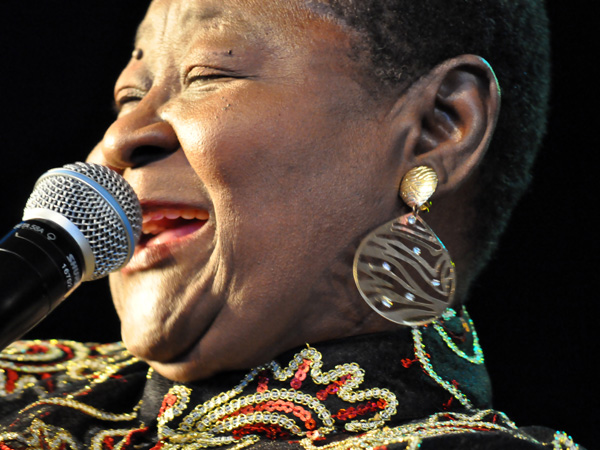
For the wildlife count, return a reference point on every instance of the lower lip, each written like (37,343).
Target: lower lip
(162,247)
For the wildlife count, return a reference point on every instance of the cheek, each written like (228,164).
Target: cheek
(252,132)
(270,155)
(277,186)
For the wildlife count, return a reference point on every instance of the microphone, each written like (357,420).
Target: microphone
(81,222)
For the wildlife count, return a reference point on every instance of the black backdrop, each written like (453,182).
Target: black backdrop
(536,305)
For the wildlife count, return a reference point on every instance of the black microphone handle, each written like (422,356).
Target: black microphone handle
(40,265)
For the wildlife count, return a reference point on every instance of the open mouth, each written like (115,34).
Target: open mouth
(168,225)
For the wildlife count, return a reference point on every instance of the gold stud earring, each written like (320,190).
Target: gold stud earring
(402,269)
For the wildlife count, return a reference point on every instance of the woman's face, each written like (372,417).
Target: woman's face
(260,161)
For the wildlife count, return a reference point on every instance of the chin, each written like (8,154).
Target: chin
(193,367)
(182,372)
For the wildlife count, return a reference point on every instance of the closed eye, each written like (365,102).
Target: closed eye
(205,75)
(126,99)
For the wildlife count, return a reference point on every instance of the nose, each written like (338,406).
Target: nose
(137,138)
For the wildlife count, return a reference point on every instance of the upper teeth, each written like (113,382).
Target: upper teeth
(172,214)
(151,220)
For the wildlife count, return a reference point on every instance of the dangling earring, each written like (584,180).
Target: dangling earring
(402,269)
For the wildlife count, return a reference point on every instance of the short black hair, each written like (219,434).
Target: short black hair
(405,39)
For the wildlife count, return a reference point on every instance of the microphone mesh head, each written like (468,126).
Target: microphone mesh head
(84,205)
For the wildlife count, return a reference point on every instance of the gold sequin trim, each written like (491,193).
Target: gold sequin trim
(210,424)
(215,422)
(43,437)
(86,409)
(423,358)
(98,439)
(18,357)
(28,361)
(441,424)
(562,441)
(477,357)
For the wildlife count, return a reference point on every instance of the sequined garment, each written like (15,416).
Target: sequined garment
(420,388)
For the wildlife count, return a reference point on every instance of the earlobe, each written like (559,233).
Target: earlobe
(454,110)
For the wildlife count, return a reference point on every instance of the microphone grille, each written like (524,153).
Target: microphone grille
(100,203)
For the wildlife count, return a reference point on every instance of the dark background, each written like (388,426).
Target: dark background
(536,304)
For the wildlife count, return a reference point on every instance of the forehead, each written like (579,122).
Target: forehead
(273,19)
(269,39)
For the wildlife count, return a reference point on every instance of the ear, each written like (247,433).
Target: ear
(451,113)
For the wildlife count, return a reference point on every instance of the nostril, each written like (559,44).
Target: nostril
(146,154)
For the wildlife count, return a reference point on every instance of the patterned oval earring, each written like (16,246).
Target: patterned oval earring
(402,269)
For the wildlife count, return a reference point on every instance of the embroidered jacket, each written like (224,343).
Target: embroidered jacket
(420,388)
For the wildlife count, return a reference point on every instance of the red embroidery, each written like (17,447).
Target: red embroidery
(67,350)
(279,405)
(269,431)
(49,382)
(360,410)
(333,388)
(36,349)
(108,442)
(132,437)
(11,379)
(406,363)
(168,402)
(300,375)
(263,382)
